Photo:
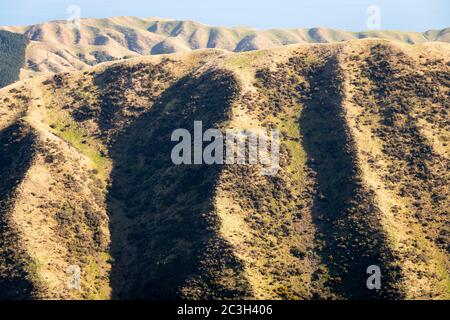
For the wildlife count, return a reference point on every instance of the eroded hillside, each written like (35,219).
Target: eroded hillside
(87,177)
(60,46)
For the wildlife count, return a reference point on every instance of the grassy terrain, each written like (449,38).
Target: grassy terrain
(363,176)
(67,129)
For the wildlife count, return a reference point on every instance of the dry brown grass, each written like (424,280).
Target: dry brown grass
(276,238)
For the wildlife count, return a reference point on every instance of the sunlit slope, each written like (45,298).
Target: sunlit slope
(56,46)
(363,178)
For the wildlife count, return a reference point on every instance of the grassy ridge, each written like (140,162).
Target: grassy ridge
(123,37)
(362,180)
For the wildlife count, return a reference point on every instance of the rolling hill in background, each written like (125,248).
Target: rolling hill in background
(55,47)
(87,177)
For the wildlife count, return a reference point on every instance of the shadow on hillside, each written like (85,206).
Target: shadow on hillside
(16,149)
(164,240)
(343,210)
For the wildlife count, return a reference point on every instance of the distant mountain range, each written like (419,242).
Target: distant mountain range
(55,47)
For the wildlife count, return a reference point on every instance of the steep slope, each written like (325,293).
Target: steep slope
(17,148)
(56,209)
(403,106)
(363,176)
(12,56)
(56,47)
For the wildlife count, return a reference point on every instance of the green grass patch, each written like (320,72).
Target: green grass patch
(67,129)
(94,282)
(244,59)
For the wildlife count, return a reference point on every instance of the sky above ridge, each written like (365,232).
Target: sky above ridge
(353,15)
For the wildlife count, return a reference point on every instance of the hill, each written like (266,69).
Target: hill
(363,176)
(55,47)
(12,56)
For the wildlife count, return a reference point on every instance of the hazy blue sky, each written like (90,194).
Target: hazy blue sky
(419,15)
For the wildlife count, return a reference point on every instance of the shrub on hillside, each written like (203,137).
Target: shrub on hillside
(12,56)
